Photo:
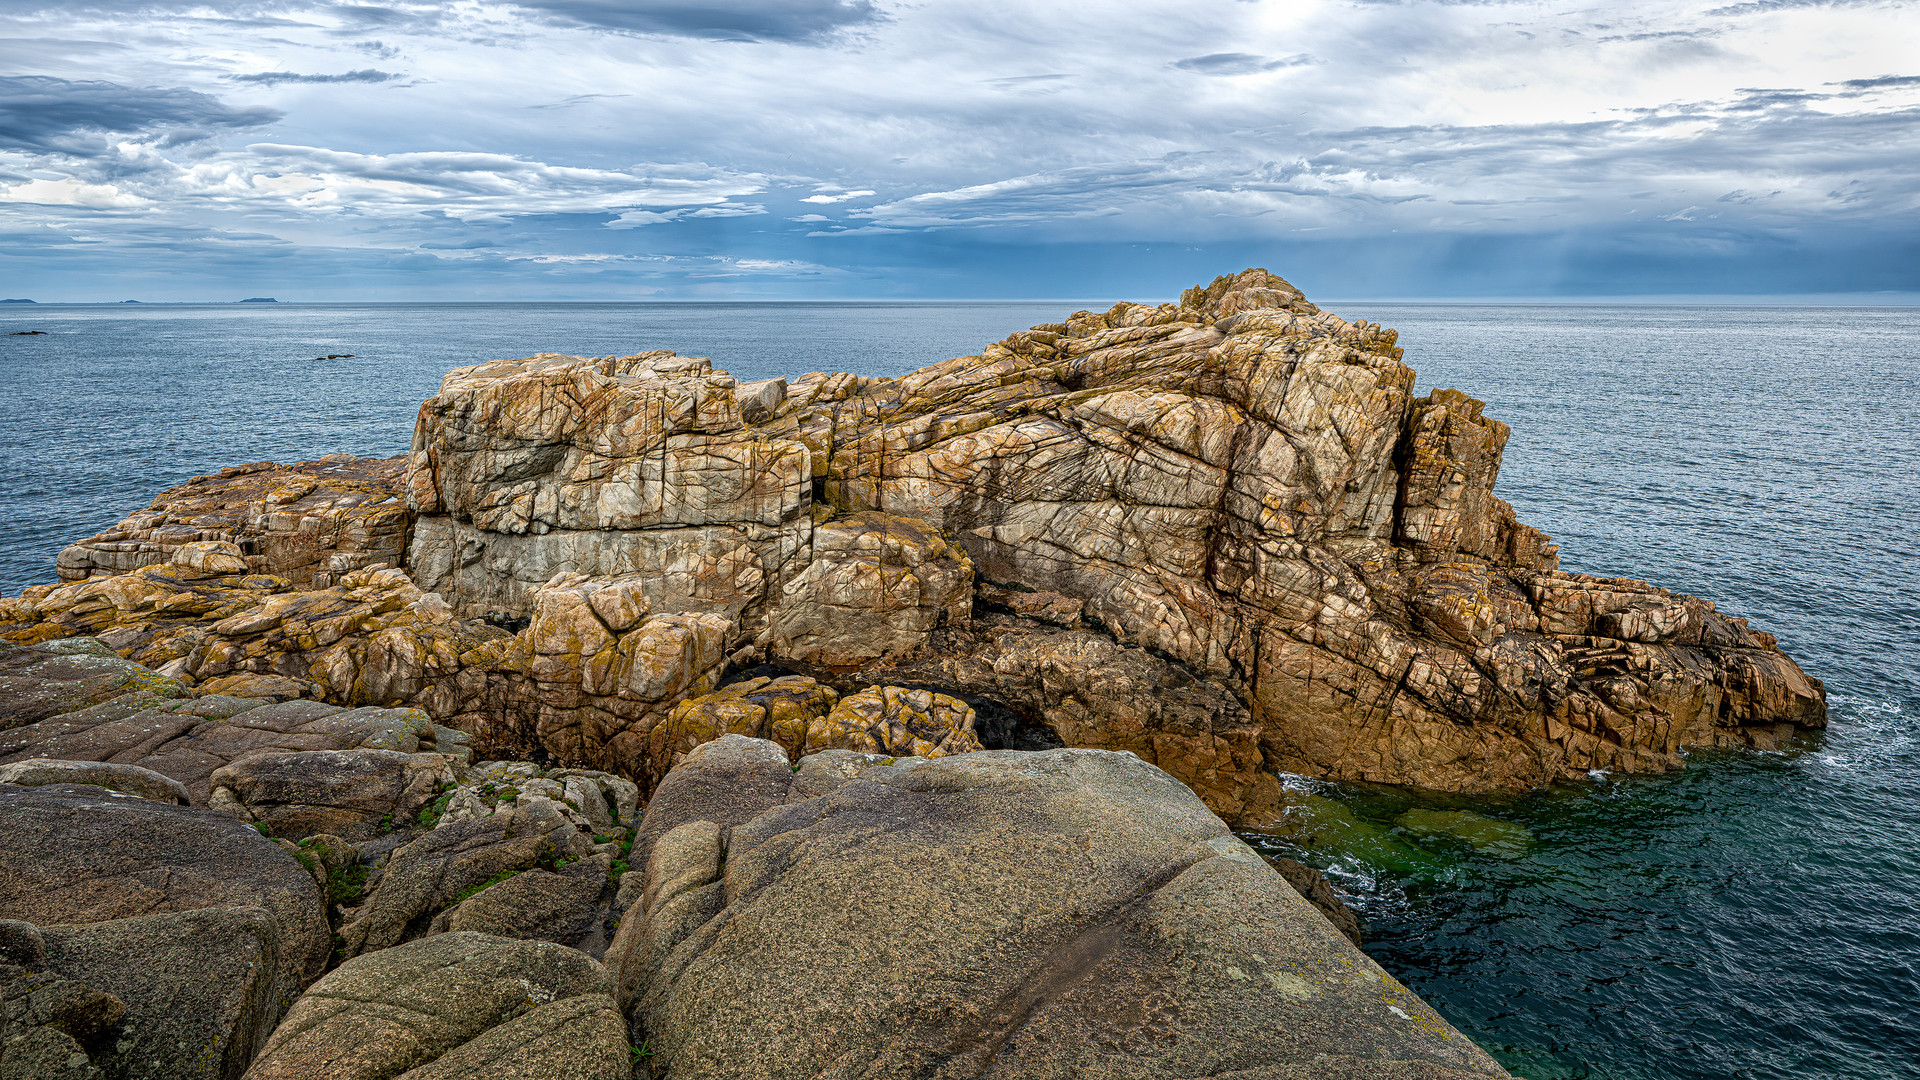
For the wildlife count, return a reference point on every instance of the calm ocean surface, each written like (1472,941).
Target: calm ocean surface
(1757,916)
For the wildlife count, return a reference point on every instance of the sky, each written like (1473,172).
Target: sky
(821,149)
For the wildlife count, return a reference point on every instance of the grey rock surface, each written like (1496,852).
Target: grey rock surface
(80,855)
(54,677)
(199,988)
(378,1016)
(351,794)
(447,865)
(177,738)
(578,1038)
(126,779)
(996,914)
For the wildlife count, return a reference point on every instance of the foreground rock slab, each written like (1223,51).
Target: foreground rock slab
(455,1005)
(199,928)
(995,914)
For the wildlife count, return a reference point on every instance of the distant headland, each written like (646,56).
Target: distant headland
(259,300)
(16,301)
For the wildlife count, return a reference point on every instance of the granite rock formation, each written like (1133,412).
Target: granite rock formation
(996,914)
(310,522)
(1222,534)
(1071,912)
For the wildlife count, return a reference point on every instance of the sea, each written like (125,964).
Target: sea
(1756,916)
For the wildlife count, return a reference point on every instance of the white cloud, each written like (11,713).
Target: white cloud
(1125,120)
(842,197)
(70,192)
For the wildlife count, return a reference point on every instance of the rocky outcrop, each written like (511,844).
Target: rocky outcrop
(454,1006)
(186,740)
(309,523)
(1222,534)
(805,717)
(350,794)
(159,941)
(997,914)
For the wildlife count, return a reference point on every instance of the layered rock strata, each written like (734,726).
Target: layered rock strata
(1222,534)
(309,522)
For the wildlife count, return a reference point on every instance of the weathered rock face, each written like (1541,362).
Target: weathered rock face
(456,1005)
(184,740)
(1222,534)
(200,930)
(310,523)
(999,914)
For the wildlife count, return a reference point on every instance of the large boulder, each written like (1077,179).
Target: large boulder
(458,1005)
(78,854)
(352,794)
(199,988)
(39,681)
(996,914)
(202,930)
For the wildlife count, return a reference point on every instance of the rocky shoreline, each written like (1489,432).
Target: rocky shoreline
(939,694)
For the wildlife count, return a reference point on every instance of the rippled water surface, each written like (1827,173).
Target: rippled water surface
(1757,916)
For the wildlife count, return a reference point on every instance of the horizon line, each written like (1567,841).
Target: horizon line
(1870,299)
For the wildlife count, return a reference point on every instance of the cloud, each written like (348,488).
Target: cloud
(1884,82)
(278,78)
(71,192)
(39,113)
(460,185)
(788,21)
(842,197)
(1238,63)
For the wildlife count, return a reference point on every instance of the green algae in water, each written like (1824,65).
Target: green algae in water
(1486,835)
(1331,830)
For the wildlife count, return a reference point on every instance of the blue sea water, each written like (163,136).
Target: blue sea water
(1756,916)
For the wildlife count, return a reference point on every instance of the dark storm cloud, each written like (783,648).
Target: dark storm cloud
(43,114)
(1239,63)
(277,78)
(796,21)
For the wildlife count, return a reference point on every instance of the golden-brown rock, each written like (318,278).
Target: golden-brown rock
(310,522)
(1222,534)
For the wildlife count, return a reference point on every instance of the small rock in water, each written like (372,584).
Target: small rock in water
(28,333)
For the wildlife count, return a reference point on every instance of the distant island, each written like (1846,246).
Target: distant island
(131,301)
(16,301)
(259,300)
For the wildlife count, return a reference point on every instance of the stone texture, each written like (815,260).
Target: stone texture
(380,1016)
(874,589)
(448,864)
(174,738)
(576,1038)
(146,898)
(198,988)
(997,914)
(1236,500)
(351,794)
(126,779)
(805,717)
(65,676)
(571,906)
(310,523)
